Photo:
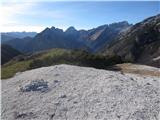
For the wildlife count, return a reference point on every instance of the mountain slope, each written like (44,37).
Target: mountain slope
(20,44)
(140,43)
(7,53)
(106,34)
(96,38)
(6,36)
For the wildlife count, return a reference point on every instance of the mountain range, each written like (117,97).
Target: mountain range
(138,43)
(90,40)
(6,36)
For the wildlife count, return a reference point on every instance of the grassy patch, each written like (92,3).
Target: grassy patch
(8,71)
(55,57)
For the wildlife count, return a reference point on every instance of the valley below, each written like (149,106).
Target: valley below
(67,92)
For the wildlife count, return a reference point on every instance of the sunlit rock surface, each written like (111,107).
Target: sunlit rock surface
(80,93)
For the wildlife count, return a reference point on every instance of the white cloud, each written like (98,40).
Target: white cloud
(8,21)
(8,11)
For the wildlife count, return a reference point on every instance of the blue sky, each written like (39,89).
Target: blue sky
(37,15)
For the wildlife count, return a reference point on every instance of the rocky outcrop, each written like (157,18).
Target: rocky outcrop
(79,93)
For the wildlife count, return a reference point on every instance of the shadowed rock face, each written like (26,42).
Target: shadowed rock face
(81,93)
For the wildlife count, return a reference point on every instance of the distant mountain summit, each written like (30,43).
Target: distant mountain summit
(71,30)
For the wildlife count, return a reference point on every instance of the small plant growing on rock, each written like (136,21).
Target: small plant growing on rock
(37,85)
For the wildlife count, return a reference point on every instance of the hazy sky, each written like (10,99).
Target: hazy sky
(37,15)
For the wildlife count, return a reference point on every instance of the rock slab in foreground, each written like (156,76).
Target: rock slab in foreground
(79,93)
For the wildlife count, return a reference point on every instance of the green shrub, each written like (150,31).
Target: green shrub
(58,56)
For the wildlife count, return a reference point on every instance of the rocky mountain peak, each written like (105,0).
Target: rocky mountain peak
(54,29)
(122,24)
(71,30)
